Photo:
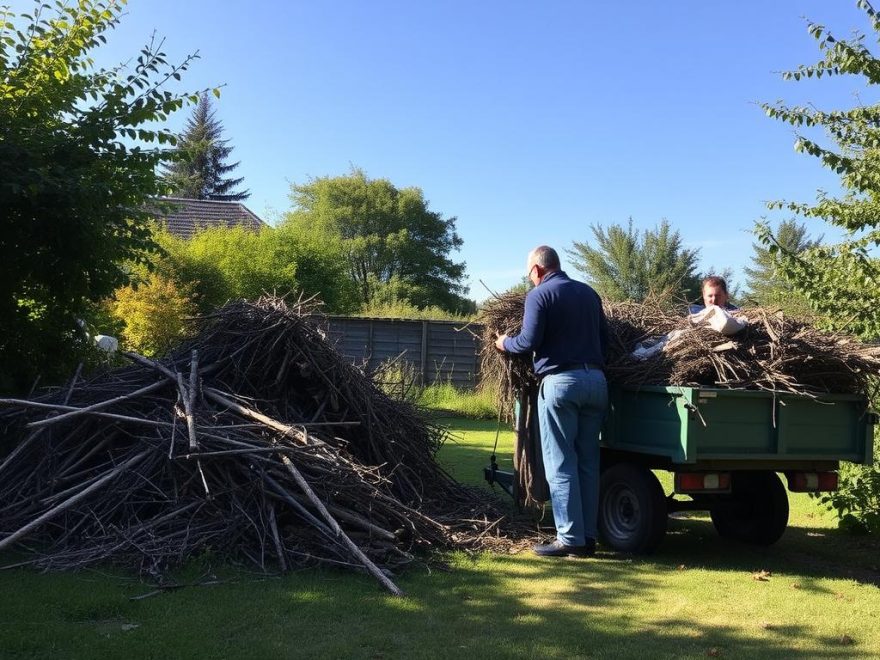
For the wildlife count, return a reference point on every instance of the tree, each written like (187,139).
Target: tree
(226,263)
(389,237)
(626,265)
(77,162)
(199,165)
(766,286)
(841,282)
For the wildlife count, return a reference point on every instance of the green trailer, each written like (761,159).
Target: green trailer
(726,449)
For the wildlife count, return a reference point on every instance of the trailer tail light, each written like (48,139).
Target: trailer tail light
(702,482)
(811,482)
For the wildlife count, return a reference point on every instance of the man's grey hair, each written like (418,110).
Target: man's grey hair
(546,257)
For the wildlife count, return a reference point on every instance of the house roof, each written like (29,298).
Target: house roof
(184,217)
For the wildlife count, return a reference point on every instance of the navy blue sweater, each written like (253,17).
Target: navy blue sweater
(563,324)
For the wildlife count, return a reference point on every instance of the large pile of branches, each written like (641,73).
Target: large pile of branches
(774,352)
(256,440)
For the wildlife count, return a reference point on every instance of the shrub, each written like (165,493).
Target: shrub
(857,500)
(154,314)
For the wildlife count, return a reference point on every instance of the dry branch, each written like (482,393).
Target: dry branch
(291,454)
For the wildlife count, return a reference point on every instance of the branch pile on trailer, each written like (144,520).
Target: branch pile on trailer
(256,440)
(774,352)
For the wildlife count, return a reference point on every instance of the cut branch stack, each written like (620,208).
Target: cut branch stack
(774,352)
(256,440)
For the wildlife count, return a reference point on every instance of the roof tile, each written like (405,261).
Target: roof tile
(184,217)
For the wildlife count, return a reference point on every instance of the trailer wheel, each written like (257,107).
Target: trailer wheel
(632,509)
(757,510)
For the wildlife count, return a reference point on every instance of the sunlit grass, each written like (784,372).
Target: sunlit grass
(475,404)
(697,597)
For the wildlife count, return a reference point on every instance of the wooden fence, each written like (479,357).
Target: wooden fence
(438,351)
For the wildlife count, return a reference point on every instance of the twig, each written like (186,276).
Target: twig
(51,513)
(97,406)
(341,536)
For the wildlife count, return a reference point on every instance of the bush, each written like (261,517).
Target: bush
(154,314)
(857,500)
(228,263)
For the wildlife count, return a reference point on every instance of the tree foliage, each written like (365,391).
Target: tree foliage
(624,264)
(766,287)
(154,314)
(222,264)
(199,168)
(840,281)
(77,160)
(393,245)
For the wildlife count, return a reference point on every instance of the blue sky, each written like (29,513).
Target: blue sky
(526,121)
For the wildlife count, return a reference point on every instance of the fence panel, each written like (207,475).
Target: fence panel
(439,351)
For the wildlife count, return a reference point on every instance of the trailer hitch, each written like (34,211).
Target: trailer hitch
(503,478)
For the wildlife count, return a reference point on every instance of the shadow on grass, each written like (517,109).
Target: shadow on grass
(802,551)
(814,552)
(497,607)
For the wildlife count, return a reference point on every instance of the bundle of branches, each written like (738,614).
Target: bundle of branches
(774,352)
(509,375)
(257,440)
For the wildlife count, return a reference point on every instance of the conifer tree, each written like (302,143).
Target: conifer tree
(199,169)
(766,286)
(624,264)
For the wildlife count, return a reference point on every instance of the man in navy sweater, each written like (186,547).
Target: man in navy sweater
(565,327)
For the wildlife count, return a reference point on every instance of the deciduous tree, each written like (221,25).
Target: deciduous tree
(389,236)
(841,281)
(78,153)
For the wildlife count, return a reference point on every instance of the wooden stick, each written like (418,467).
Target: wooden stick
(232,405)
(358,521)
(24,403)
(190,420)
(273,526)
(12,538)
(187,406)
(288,430)
(340,535)
(97,406)
(75,378)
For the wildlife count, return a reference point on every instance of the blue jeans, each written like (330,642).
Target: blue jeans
(571,408)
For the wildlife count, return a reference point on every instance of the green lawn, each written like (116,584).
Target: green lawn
(697,597)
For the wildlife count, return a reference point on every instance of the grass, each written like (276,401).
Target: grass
(473,404)
(696,597)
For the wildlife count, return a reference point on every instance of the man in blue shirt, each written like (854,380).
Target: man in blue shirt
(565,327)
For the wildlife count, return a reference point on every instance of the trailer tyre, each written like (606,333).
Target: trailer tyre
(632,509)
(756,512)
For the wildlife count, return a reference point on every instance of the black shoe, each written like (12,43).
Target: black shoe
(559,549)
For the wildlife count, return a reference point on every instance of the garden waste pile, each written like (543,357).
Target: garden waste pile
(255,441)
(651,343)
(772,352)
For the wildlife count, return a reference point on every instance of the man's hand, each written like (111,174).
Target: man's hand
(499,341)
